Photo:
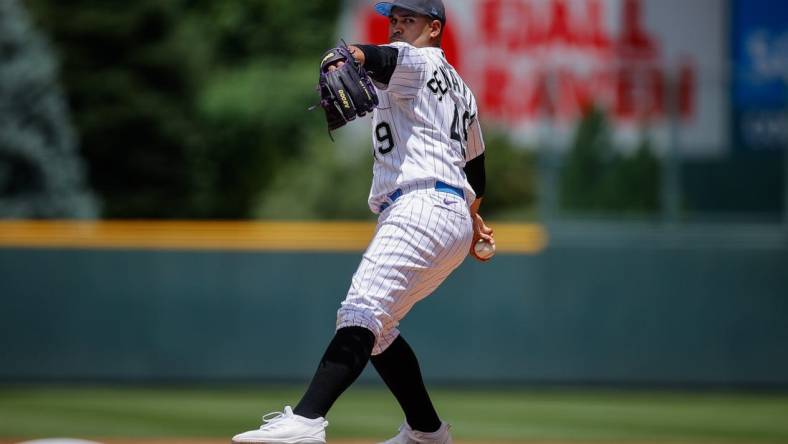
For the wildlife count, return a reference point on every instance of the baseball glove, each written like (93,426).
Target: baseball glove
(346,92)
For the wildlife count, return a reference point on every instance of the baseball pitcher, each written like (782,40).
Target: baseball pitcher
(428,184)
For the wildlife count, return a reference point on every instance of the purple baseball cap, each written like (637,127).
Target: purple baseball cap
(430,8)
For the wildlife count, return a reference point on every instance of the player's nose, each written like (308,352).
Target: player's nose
(396,27)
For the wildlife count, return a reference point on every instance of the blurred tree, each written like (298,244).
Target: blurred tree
(636,181)
(187,108)
(278,30)
(327,181)
(511,178)
(598,178)
(587,164)
(255,98)
(40,171)
(131,93)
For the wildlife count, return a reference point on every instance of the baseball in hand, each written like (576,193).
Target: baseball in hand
(484,249)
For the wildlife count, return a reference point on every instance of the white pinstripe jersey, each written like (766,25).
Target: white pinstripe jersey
(426,126)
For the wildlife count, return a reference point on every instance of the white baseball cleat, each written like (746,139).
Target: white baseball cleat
(409,436)
(285,428)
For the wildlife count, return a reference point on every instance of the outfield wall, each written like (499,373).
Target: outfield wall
(601,304)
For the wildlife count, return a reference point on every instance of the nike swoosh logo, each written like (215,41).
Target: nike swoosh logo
(449,201)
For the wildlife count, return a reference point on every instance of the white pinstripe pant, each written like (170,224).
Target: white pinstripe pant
(418,242)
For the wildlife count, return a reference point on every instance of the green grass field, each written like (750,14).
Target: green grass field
(363,412)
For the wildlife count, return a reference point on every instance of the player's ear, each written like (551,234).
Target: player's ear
(436,28)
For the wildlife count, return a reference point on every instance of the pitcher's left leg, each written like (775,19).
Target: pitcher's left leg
(399,369)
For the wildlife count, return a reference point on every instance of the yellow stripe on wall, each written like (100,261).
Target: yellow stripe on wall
(236,235)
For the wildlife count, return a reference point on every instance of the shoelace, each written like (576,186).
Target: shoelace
(270,419)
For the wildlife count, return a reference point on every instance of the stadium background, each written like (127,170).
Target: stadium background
(177,230)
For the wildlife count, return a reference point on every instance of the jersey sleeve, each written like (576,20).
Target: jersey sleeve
(410,73)
(475,139)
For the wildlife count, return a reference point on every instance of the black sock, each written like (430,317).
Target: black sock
(399,369)
(342,363)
